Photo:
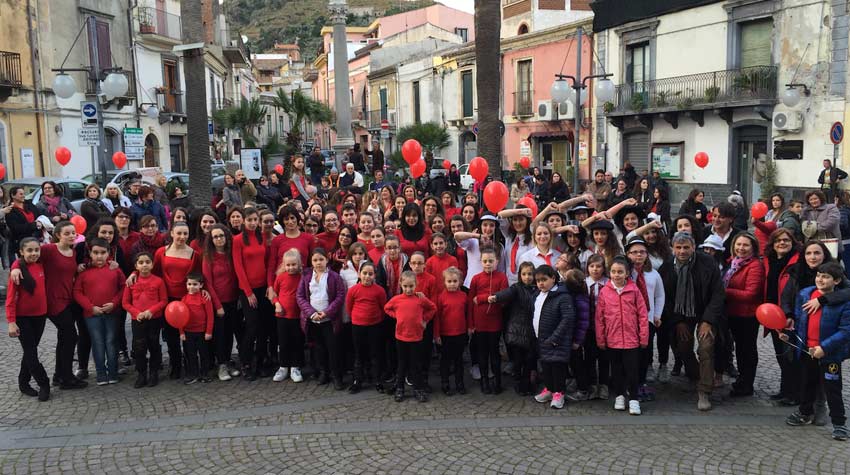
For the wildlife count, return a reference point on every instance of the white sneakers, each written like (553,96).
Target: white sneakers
(620,403)
(295,375)
(634,407)
(281,374)
(544,396)
(475,371)
(223,373)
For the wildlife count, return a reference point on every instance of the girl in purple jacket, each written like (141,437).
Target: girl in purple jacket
(321,296)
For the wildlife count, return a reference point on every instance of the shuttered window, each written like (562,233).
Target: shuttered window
(756,39)
(637,150)
(104,47)
(467,90)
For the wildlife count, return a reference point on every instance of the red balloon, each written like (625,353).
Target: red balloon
(771,316)
(119,159)
(2,171)
(177,314)
(278,169)
(701,159)
(525,162)
(411,150)
(446,165)
(759,210)
(79,223)
(478,168)
(495,196)
(529,203)
(63,155)
(417,168)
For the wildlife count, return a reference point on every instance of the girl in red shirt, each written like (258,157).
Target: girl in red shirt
(221,283)
(439,261)
(365,224)
(26,307)
(412,232)
(145,301)
(250,254)
(450,329)
(365,303)
(448,199)
(197,331)
(330,222)
(377,250)
(206,220)
(290,338)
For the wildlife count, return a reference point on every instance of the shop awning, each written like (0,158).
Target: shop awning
(555,134)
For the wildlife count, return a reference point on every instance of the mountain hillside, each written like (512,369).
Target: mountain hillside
(267,22)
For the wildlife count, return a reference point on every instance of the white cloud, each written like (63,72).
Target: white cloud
(464,5)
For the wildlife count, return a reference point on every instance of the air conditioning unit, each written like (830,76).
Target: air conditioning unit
(547,110)
(788,121)
(566,111)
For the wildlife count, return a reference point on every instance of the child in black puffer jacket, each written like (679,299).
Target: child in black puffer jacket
(519,333)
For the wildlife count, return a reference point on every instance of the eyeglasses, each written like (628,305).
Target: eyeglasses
(218,236)
(268,221)
(785,240)
(122,216)
(151,225)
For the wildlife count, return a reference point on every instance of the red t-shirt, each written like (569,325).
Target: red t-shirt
(19,302)
(484,316)
(304,243)
(409,247)
(286,286)
(220,277)
(249,260)
(200,314)
(327,240)
(366,304)
(60,280)
(813,330)
(435,265)
(451,314)
(97,286)
(411,314)
(375,254)
(426,284)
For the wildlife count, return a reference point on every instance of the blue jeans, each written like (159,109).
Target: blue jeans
(102,331)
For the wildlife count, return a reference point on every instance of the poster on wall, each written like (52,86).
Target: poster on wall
(667,160)
(251,159)
(27,163)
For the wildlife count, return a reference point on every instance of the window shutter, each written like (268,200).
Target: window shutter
(756,43)
(104,47)
(637,150)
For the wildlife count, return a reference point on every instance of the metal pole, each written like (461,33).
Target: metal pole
(95,72)
(577,86)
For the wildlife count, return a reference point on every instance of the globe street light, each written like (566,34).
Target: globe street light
(64,86)
(561,91)
(152,112)
(115,85)
(605,90)
(791,96)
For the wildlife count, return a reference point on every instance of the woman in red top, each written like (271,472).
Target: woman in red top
(744,292)
(448,199)
(292,238)
(172,264)
(150,239)
(205,219)
(330,223)
(222,284)
(250,255)
(339,253)
(781,255)
(412,233)
(26,306)
(297,182)
(126,237)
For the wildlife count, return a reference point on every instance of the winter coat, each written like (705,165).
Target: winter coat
(64,206)
(794,284)
(745,291)
(791,221)
(556,326)
(518,329)
(231,196)
(621,318)
(692,207)
(582,305)
(708,291)
(336,299)
(19,227)
(834,335)
(270,196)
(122,201)
(152,208)
(93,210)
(381,274)
(828,219)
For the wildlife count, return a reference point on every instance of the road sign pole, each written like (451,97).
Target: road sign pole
(101,135)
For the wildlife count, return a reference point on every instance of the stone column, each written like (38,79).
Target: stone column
(338,10)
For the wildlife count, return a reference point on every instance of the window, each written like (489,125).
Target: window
(171,84)
(269,124)
(523,29)
(467,91)
(280,125)
(637,63)
(755,44)
(523,93)
(416,110)
(463,33)
(382,96)
(104,48)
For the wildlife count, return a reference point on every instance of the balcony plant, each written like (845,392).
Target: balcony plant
(608,107)
(756,80)
(146,22)
(711,94)
(638,102)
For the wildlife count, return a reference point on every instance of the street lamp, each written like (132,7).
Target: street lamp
(64,86)
(790,97)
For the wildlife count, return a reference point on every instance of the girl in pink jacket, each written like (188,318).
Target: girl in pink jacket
(622,328)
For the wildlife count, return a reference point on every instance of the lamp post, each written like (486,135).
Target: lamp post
(115,84)
(790,97)
(563,92)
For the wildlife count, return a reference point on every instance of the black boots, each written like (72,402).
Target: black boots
(141,380)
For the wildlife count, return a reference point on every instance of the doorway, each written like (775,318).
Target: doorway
(175,147)
(151,151)
(749,142)
(469,147)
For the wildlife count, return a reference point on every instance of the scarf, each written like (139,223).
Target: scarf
(392,278)
(737,264)
(52,204)
(152,243)
(685,294)
(775,267)
(640,281)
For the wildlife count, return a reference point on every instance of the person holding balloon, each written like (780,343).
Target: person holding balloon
(145,301)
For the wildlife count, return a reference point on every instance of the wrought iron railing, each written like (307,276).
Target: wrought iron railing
(686,92)
(10,69)
(170,101)
(524,103)
(159,22)
(376,116)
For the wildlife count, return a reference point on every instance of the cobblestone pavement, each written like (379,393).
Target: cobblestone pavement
(267,427)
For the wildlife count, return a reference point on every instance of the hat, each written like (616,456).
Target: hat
(489,217)
(633,241)
(621,215)
(713,242)
(557,213)
(601,224)
(579,207)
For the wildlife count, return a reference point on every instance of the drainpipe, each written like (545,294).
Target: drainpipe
(36,77)
(131,4)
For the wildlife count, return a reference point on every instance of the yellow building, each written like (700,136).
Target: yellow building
(22,144)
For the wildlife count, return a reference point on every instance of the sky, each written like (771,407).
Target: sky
(465,5)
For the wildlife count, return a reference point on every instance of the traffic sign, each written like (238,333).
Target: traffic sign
(475,128)
(134,144)
(836,133)
(88,113)
(385,133)
(501,129)
(385,124)
(87,137)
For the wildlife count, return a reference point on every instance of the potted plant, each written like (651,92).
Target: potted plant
(711,94)
(146,24)
(637,102)
(608,107)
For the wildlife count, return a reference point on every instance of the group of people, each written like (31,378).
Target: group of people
(577,297)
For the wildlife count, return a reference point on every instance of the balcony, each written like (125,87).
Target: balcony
(10,73)
(233,47)
(719,90)
(166,26)
(524,103)
(359,114)
(376,116)
(170,101)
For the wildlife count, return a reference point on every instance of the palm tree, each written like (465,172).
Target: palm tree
(245,118)
(299,109)
(488,23)
(432,136)
(197,145)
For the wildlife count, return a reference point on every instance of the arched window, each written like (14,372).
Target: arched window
(151,151)
(523,29)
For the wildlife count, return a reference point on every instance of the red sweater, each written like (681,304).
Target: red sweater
(220,279)
(375,254)
(745,291)
(451,314)
(250,262)
(427,284)
(173,271)
(409,247)
(286,286)
(327,240)
(148,293)
(366,304)
(304,243)
(435,265)
(19,302)
(98,286)
(412,314)
(486,317)
(60,280)
(200,314)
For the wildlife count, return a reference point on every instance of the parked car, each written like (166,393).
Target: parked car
(147,174)
(466,180)
(73,189)
(437,168)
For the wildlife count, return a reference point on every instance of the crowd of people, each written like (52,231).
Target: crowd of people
(361,286)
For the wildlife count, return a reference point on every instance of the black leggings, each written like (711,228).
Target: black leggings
(368,342)
(646,356)
(409,354)
(31,329)
(593,364)
(322,334)
(745,332)
(555,376)
(488,355)
(625,365)
(290,340)
(146,342)
(255,340)
(451,355)
(224,330)
(66,342)
(83,338)
(525,361)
